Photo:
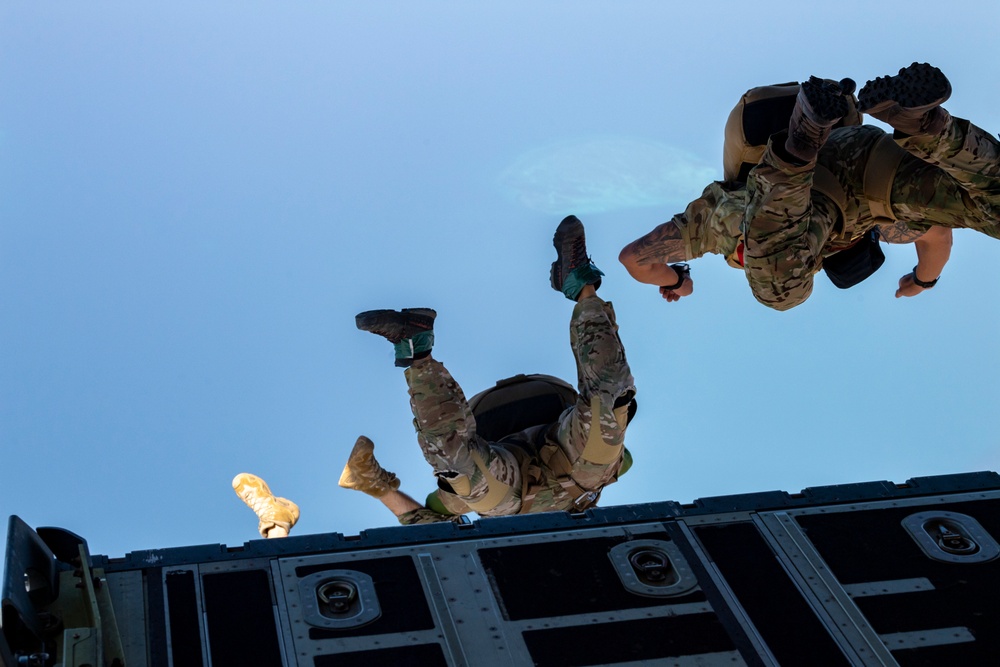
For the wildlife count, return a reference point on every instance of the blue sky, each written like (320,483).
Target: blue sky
(195,201)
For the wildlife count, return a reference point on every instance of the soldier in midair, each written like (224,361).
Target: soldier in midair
(562,464)
(934,173)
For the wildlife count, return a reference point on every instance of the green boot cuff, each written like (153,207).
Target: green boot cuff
(408,348)
(626,462)
(435,504)
(580,276)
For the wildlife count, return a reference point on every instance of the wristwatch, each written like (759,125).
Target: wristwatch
(920,283)
(683,271)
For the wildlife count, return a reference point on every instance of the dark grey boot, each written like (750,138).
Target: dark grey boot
(818,106)
(910,101)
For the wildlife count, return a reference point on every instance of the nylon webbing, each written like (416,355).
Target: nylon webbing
(827,184)
(880,171)
(496,491)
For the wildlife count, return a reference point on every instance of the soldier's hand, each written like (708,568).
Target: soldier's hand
(907,287)
(672,295)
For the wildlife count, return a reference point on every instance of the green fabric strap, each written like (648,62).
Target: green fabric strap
(408,348)
(626,462)
(578,277)
(434,503)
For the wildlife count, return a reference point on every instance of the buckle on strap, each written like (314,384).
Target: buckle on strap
(585,500)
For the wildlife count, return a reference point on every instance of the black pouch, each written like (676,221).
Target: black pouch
(849,267)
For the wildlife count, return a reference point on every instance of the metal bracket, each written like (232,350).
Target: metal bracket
(338,599)
(653,568)
(951,537)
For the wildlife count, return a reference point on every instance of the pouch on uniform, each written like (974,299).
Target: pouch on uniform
(852,265)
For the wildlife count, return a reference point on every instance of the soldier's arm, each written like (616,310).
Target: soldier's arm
(933,250)
(899,232)
(647,260)
(409,512)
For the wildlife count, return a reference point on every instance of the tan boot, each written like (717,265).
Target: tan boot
(363,472)
(910,101)
(277,515)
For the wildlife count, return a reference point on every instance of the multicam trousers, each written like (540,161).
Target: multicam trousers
(446,427)
(948,180)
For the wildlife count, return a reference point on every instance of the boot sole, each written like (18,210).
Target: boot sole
(827,103)
(918,87)
(570,227)
(396,324)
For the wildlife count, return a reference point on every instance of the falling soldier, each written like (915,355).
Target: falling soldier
(561,464)
(933,174)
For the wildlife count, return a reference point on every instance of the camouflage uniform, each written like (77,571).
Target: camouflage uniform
(446,431)
(711,223)
(948,180)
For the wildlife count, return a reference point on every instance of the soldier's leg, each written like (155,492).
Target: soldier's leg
(592,432)
(446,429)
(786,226)
(924,194)
(364,473)
(955,182)
(785,229)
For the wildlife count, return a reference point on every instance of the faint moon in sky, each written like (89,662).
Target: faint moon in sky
(600,174)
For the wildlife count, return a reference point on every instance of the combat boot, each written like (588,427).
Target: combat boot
(274,513)
(363,472)
(410,330)
(572,268)
(910,101)
(818,106)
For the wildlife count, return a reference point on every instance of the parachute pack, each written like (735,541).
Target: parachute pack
(510,406)
(513,405)
(761,112)
(765,110)
(520,402)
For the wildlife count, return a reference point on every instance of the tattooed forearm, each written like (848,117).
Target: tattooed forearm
(898,232)
(662,245)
